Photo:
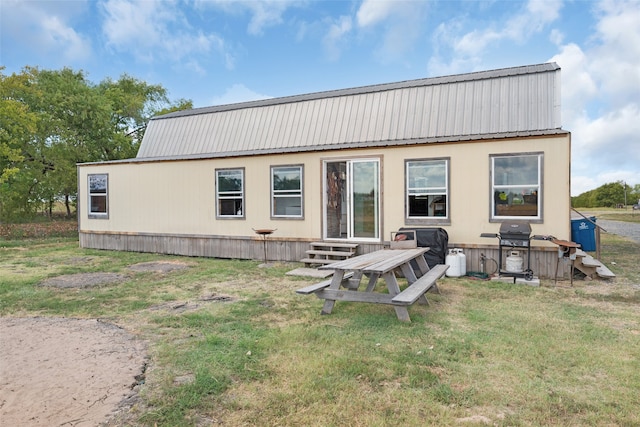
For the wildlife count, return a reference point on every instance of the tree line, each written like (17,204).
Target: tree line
(51,120)
(613,194)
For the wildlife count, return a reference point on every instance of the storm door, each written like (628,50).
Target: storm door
(352,199)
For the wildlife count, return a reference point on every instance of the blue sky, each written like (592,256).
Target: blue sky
(223,51)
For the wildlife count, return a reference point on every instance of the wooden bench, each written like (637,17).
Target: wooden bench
(421,286)
(319,286)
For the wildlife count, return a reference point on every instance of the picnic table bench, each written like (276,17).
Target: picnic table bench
(375,265)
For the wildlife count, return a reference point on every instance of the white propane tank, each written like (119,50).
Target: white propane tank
(453,261)
(463,262)
(514,262)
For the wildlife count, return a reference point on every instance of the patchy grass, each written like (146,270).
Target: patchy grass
(260,354)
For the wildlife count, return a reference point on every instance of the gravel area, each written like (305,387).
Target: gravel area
(621,228)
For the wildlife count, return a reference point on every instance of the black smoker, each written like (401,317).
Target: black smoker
(514,234)
(435,238)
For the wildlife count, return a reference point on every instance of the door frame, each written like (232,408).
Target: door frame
(348,209)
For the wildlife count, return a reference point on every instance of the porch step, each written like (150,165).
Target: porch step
(322,253)
(334,245)
(587,259)
(320,261)
(591,266)
(329,253)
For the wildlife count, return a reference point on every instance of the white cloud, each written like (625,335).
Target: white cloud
(154,31)
(397,24)
(556,37)
(601,98)
(264,13)
(372,12)
(334,40)
(578,85)
(616,57)
(459,48)
(46,29)
(237,93)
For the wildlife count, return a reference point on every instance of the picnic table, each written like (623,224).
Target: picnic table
(384,264)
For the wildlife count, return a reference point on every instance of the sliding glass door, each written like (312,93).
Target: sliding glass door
(352,199)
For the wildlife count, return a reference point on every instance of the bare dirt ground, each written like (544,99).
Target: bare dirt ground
(70,372)
(66,372)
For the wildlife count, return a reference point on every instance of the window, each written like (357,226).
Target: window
(98,196)
(427,189)
(516,186)
(286,191)
(230,193)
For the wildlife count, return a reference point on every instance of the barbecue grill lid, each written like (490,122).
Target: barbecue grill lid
(515,229)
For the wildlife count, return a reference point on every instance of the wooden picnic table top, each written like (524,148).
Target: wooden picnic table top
(380,262)
(376,265)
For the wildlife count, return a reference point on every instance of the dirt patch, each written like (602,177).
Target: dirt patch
(83,280)
(88,280)
(159,267)
(58,371)
(186,306)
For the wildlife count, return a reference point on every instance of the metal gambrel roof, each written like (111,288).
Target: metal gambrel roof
(498,103)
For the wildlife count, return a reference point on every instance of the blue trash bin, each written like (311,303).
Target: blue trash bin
(584,232)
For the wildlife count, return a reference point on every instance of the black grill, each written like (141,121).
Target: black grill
(514,234)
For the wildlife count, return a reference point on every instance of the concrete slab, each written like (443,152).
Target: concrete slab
(310,272)
(519,280)
(533,282)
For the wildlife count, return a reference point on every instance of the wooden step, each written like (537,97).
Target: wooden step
(580,252)
(586,259)
(591,266)
(604,272)
(588,271)
(334,245)
(590,261)
(322,261)
(343,254)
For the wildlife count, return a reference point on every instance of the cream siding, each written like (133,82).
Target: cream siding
(178,197)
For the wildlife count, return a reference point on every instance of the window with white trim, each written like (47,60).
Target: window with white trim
(427,189)
(286,192)
(230,193)
(98,196)
(516,186)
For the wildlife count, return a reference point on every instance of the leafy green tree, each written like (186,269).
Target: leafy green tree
(607,195)
(634,195)
(54,119)
(17,123)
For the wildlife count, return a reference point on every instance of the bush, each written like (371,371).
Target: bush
(39,230)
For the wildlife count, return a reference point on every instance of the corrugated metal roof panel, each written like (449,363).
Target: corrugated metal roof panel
(493,102)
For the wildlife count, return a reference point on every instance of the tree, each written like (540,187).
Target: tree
(611,194)
(17,123)
(57,119)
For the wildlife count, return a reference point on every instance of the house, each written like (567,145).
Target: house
(463,153)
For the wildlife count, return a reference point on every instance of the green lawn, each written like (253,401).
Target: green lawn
(248,350)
